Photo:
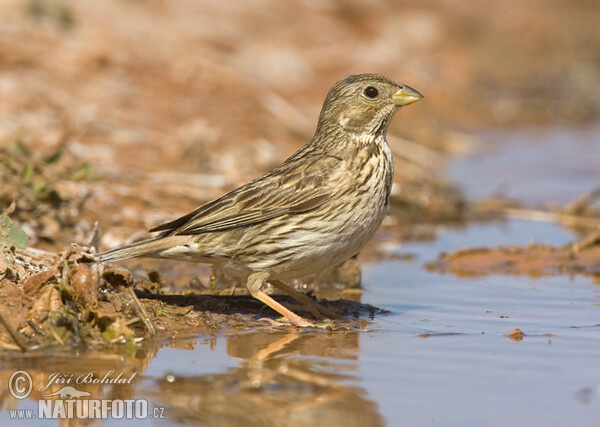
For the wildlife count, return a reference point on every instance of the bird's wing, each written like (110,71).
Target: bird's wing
(300,184)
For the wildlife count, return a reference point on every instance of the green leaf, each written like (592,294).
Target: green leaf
(53,158)
(27,173)
(11,234)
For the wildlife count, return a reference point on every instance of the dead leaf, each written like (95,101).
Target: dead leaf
(35,282)
(516,335)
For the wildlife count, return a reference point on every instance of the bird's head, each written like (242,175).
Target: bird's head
(362,105)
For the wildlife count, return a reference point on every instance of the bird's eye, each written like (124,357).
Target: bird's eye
(371,92)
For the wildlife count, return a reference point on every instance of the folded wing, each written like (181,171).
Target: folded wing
(299,185)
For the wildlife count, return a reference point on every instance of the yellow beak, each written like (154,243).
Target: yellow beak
(406,96)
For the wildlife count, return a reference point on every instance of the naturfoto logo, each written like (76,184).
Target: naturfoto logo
(72,403)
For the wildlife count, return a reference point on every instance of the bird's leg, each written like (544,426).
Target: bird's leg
(314,307)
(254,284)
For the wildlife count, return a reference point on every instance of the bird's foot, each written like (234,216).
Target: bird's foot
(307,303)
(303,323)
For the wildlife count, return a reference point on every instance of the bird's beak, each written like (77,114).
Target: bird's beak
(406,96)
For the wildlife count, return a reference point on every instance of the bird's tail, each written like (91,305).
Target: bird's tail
(144,248)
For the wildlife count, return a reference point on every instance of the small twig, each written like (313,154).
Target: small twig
(141,311)
(55,335)
(11,208)
(14,334)
(95,239)
(9,346)
(132,321)
(36,328)
(118,339)
(588,241)
(581,203)
(545,216)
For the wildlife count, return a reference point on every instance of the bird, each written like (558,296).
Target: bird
(315,210)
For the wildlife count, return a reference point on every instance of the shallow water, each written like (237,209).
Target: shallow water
(441,356)
(547,165)
(476,375)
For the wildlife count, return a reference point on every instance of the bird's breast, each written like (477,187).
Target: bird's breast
(375,171)
(362,202)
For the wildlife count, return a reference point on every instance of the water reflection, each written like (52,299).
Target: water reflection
(288,376)
(291,378)
(103,375)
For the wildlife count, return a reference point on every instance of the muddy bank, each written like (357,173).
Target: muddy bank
(68,300)
(535,260)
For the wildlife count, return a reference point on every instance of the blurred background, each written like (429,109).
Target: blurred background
(131,112)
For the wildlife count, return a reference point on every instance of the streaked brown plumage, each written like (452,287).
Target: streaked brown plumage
(315,210)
